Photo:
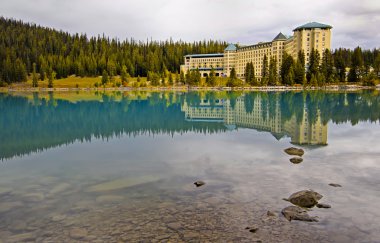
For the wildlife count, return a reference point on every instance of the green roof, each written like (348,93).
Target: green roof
(280,36)
(230,47)
(313,25)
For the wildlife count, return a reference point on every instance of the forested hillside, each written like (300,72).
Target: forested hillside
(22,44)
(27,48)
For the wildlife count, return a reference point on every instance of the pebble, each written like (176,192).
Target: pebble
(58,217)
(323,205)
(109,199)
(5,191)
(334,185)
(199,183)
(174,226)
(22,237)
(78,233)
(60,188)
(34,197)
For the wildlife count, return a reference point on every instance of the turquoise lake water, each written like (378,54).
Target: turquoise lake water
(109,167)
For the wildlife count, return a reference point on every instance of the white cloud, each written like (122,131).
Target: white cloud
(245,21)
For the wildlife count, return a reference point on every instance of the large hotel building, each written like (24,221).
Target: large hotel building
(306,37)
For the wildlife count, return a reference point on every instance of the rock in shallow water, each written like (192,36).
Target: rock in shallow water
(334,185)
(305,198)
(78,233)
(323,205)
(5,191)
(122,183)
(296,160)
(297,213)
(294,151)
(199,183)
(109,199)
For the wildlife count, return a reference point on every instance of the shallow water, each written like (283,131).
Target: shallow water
(108,167)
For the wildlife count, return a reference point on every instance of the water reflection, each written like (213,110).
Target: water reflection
(36,121)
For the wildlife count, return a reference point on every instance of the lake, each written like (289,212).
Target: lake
(120,167)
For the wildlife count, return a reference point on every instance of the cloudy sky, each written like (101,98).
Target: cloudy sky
(355,22)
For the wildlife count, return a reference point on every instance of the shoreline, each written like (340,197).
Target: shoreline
(199,88)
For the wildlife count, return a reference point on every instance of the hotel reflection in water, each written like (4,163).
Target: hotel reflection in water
(221,110)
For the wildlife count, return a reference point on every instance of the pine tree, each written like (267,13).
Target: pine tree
(272,76)
(356,67)
(104,77)
(264,71)
(313,68)
(51,77)
(182,77)
(170,79)
(123,74)
(34,76)
(212,78)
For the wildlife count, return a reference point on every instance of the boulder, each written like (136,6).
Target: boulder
(305,198)
(297,213)
(294,151)
(199,183)
(296,160)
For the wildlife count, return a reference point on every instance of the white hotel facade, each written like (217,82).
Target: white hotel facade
(306,37)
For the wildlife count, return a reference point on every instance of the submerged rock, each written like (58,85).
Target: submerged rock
(296,160)
(29,237)
(252,229)
(294,151)
(297,213)
(7,206)
(271,214)
(78,233)
(305,198)
(199,183)
(60,188)
(323,205)
(58,217)
(334,185)
(34,197)
(121,183)
(5,191)
(109,199)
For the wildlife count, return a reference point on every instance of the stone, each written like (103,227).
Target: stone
(174,226)
(199,183)
(34,197)
(252,229)
(296,160)
(334,185)
(60,188)
(297,213)
(5,191)
(294,151)
(270,213)
(109,199)
(121,183)
(58,217)
(8,206)
(305,198)
(18,226)
(322,205)
(78,233)
(22,237)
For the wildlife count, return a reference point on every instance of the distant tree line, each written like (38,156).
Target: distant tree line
(24,44)
(44,53)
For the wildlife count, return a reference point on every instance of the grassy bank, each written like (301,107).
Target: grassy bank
(95,83)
